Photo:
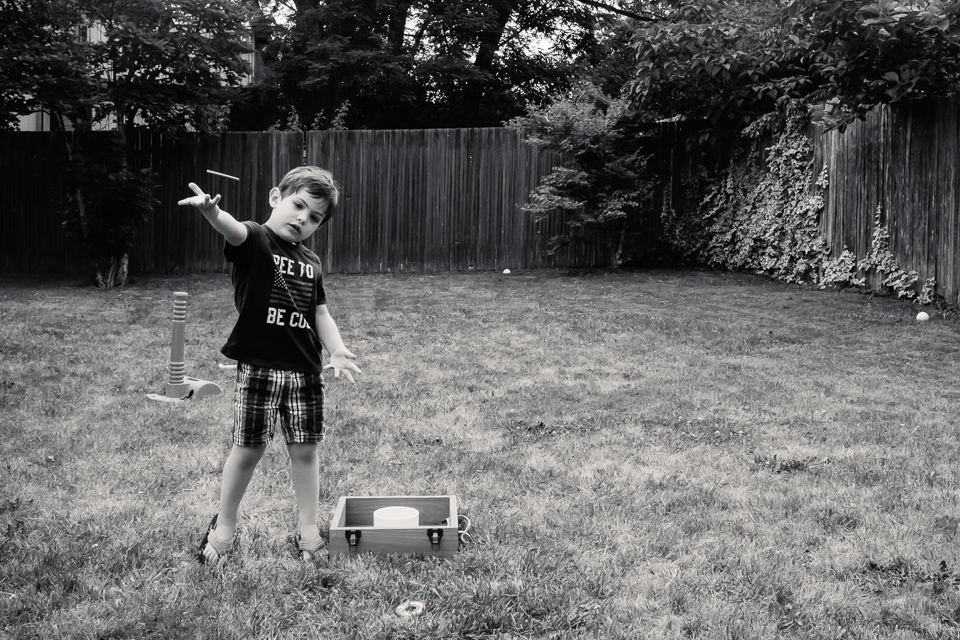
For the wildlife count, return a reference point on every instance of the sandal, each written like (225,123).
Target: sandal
(222,548)
(307,551)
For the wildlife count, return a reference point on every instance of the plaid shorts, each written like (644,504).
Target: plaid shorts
(265,396)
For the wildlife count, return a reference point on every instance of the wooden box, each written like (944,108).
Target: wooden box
(352,530)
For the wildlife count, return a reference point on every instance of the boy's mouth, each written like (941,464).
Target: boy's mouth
(295,227)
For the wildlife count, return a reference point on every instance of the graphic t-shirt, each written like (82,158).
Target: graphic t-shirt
(277,287)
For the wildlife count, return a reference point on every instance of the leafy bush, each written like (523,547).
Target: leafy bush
(105,214)
(763,216)
(603,183)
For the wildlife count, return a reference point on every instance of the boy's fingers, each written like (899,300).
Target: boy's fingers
(200,199)
(343,366)
(344,363)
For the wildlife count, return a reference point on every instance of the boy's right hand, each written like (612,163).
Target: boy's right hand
(202,201)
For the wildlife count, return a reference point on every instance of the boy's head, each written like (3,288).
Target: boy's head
(304,200)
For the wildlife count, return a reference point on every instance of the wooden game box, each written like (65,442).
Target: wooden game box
(352,530)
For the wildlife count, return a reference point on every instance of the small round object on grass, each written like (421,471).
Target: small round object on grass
(410,608)
(923,316)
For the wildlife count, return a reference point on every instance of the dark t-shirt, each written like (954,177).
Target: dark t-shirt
(277,287)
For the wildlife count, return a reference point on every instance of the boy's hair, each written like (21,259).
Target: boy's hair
(318,182)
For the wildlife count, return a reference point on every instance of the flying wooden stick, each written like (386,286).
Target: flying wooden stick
(223,175)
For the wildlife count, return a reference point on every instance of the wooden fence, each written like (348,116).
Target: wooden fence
(903,158)
(428,200)
(417,200)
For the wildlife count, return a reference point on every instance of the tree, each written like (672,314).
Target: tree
(609,61)
(41,64)
(603,184)
(861,54)
(727,64)
(167,65)
(425,63)
(154,63)
(720,63)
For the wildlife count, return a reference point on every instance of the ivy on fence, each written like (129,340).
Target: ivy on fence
(763,216)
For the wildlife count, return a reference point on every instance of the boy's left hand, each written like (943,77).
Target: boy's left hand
(340,361)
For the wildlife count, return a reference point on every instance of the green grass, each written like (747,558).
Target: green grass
(642,455)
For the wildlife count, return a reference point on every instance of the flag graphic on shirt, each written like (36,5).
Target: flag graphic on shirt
(292,293)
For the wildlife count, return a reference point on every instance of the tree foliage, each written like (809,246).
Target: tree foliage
(420,63)
(41,63)
(755,74)
(729,63)
(715,62)
(164,64)
(603,184)
(862,54)
(168,65)
(751,73)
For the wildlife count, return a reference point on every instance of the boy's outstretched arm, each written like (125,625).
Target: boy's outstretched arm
(228,226)
(330,337)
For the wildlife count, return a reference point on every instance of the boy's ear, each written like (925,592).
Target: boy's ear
(275,197)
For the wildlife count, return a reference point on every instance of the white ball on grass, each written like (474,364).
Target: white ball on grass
(922,316)
(506,272)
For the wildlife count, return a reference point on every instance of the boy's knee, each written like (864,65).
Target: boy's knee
(302,453)
(248,455)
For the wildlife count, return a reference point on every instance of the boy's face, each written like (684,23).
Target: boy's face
(296,216)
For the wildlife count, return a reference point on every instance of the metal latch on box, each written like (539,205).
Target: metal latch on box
(434,535)
(353,538)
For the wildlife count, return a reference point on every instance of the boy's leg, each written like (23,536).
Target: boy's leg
(305,474)
(301,417)
(237,472)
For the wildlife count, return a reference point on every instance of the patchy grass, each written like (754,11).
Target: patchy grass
(646,455)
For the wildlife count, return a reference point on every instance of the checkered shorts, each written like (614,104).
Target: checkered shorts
(265,396)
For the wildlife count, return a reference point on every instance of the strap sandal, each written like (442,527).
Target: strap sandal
(223,549)
(307,551)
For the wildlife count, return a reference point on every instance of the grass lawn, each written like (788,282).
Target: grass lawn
(642,455)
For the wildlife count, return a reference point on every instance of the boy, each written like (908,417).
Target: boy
(282,326)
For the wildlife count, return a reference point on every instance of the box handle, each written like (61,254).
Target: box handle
(353,538)
(434,535)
